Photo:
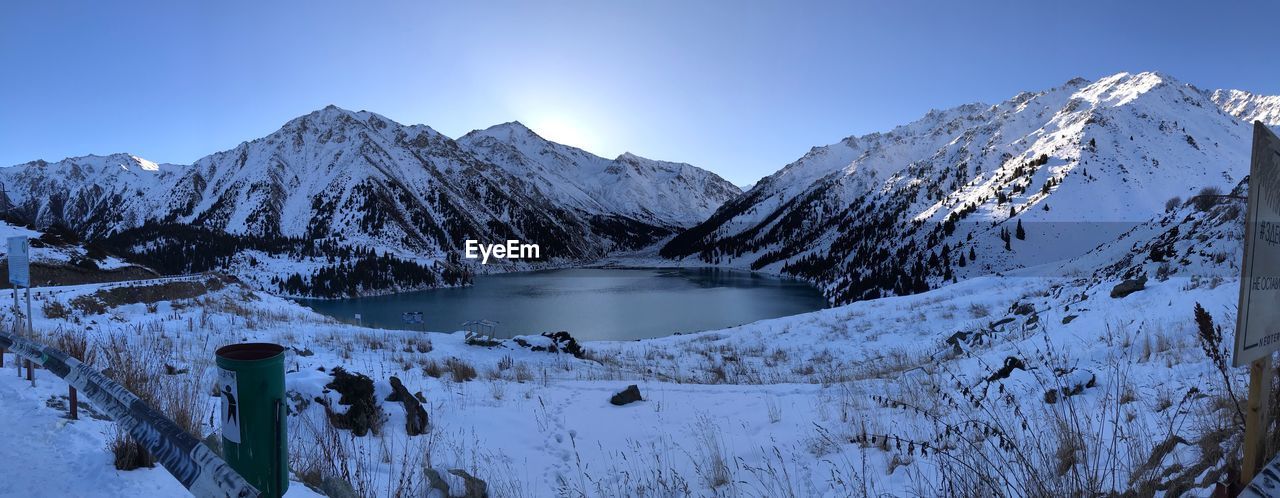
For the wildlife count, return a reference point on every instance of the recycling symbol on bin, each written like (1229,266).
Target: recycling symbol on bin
(230,394)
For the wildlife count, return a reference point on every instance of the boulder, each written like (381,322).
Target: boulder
(1010,364)
(1127,287)
(335,487)
(356,391)
(456,483)
(562,341)
(958,340)
(1074,381)
(629,395)
(415,416)
(996,324)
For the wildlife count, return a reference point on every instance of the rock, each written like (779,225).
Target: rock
(1010,363)
(1074,382)
(1067,319)
(562,341)
(1127,287)
(965,338)
(299,402)
(629,395)
(956,339)
(456,483)
(1023,309)
(415,417)
(335,487)
(356,391)
(1000,322)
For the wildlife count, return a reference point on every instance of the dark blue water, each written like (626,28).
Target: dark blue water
(592,304)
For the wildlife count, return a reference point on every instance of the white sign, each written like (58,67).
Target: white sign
(1258,325)
(230,405)
(19,262)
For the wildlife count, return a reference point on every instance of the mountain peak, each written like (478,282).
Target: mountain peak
(512,125)
(509,131)
(1122,88)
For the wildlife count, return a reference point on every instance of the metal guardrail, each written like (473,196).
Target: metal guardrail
(193,464)
(1266,484)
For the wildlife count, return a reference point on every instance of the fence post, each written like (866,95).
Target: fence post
(75,401)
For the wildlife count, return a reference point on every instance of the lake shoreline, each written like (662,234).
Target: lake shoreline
(609,303)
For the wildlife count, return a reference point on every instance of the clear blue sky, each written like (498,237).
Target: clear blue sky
(737,87)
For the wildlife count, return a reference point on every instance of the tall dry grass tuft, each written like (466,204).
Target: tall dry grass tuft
(136,360)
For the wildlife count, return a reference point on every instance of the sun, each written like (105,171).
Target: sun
(560,129)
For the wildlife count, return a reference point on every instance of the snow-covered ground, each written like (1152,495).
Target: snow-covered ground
(774,408)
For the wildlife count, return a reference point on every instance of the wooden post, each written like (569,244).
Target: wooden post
(75,408)
(1256,419)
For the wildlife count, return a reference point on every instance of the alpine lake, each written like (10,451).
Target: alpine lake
(594,304)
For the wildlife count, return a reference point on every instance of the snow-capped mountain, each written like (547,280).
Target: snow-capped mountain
(1249,107)
(977,189)
(674,194)
(335,188)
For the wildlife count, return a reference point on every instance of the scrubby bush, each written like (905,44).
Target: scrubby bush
(55,309)
(1206,198)
(75,344)
(460,371)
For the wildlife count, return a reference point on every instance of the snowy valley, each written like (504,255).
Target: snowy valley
(1015,291)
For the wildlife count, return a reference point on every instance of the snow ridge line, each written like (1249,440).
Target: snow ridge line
(193,464)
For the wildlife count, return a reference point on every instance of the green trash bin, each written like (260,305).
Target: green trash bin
(254,429)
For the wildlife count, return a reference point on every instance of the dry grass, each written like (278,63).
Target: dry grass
(459,370)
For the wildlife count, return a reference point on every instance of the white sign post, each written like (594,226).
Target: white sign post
(20,276)
(19,262)
(1258,321)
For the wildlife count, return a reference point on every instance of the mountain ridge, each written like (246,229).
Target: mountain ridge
(901,211)
(362,188)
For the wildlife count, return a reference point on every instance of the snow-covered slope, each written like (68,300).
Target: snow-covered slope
(974,385)
(899,212)
(676,194)
(98,192)
(335,188)
(1248,106)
